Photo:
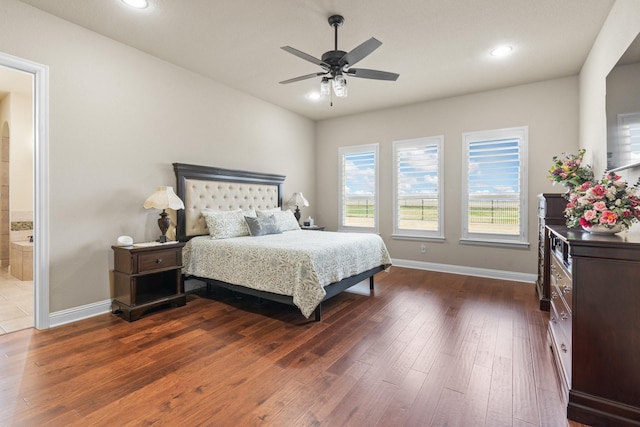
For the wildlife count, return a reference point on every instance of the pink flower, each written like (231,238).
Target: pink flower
(599,206)
(585,223)
(599,191)
(609,217)
(585,186)
(590,215)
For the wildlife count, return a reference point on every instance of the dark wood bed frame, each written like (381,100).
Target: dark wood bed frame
(186,172)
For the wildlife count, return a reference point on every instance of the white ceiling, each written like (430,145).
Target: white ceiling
(440,48)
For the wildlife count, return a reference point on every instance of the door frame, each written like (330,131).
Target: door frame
(41,182)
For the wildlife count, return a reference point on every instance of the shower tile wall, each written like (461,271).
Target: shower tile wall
(21,226)
(4,202)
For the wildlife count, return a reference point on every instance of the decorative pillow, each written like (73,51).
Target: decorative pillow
(262,225)
(226,224)
(285,219)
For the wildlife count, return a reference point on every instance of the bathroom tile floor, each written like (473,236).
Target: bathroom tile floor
(16,303)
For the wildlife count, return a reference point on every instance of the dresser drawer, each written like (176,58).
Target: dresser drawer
(562,282)
(561,331)
(562,314)
(159,260)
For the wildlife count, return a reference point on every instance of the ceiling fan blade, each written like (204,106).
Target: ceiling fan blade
(305,56)
(305,77)
(359,52)
(363,73)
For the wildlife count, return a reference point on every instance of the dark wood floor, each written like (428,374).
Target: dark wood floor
(427,349)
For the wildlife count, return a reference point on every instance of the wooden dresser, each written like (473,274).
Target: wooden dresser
(594,324)
(550,212)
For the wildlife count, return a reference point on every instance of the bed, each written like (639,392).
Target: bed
(296,267)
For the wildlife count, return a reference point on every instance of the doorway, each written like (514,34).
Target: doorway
(39,74)
(16,201)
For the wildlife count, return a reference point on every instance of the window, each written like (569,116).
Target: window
(418,187)
(495,186)
(358,202)
(628,151)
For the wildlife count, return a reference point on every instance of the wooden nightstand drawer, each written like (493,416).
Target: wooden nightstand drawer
(159,260)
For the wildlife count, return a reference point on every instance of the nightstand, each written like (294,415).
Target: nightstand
(313,227)
(146,277)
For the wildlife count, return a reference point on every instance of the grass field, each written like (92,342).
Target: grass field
(499,216)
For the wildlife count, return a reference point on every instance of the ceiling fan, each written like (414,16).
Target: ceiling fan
(336,64)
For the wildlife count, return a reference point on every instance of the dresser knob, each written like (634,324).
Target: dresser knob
(563,348)
(553,319)
(159,261)
(554,295)
(564,315)
(566,289)
(553,267)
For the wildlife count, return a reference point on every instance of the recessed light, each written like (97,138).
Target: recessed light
(501,51)
(138,4)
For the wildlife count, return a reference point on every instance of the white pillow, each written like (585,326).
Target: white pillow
(267,212)
(227,224)
(285,219)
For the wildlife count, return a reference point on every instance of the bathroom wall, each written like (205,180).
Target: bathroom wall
(4,187)
(16,160)
(21,164)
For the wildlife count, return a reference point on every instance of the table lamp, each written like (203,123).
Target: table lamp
(164,198)
(298,200)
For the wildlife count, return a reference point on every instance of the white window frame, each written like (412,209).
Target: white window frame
(521,239)
(357,149)
(417,143)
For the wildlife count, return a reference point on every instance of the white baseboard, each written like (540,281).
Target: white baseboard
(467,271)
(85,311)
(74,314)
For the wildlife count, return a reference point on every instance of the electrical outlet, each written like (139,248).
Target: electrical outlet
(423,248)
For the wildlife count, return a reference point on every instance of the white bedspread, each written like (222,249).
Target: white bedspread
(295,263)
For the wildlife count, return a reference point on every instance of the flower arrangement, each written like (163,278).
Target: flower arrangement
(569,170)
(609,202)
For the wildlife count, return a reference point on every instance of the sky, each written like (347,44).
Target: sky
(493,170)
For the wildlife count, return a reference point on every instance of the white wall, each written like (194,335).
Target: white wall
(549,108)
(118,119)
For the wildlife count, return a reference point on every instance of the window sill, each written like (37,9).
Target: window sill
(496,243)
(418,238)
(357,230)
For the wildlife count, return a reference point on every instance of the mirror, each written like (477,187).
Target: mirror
(623,110)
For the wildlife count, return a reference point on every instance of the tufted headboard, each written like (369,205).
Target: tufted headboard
(202,187)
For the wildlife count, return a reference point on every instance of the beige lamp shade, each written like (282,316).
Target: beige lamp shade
(164,198)
(298,200)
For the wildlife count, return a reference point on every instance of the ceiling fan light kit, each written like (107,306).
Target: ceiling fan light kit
(336,64)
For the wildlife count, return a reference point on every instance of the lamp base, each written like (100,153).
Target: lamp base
(164,222)
(297,214)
